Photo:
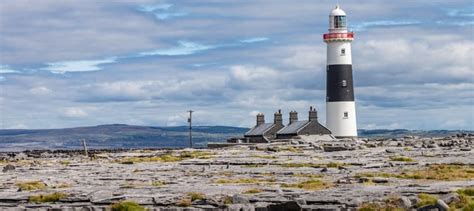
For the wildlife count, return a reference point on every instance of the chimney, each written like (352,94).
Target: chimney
(278,118)
(260,119)
(313,114)
(293,116)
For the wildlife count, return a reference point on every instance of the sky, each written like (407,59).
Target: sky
(146,62)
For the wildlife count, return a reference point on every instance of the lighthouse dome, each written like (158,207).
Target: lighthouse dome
(337,12)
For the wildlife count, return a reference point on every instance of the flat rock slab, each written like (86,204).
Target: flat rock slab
(271,176)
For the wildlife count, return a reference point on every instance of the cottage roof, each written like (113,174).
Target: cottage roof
(259,130)
(293,128)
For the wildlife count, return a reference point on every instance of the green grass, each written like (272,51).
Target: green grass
(446,172)
(32,185)
(196,196)
(426,199)
(308,185)
(466,202)
(53,197)
(184,203)
(127,206)
(157,183)
(313,165)
(252,191)
(169,157)
(402,159)
(244,181)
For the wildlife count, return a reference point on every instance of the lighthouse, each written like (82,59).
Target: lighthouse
(340,104)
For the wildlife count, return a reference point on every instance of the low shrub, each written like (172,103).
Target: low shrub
(127,206)
(53,197)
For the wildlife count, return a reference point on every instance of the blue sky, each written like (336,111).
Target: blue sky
(144,62)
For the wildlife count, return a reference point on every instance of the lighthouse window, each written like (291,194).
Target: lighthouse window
(339,22)
(346,115)
(343,52)
(344,83)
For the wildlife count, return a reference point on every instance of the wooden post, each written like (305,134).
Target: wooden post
(85,147)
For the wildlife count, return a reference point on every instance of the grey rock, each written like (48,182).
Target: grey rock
(240,199)
(428,208)
(442,206)
(291,205)
(391,151)
(450,198)
(404,202)
(8,168)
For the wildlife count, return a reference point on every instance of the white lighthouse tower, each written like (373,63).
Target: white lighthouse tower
(340,105)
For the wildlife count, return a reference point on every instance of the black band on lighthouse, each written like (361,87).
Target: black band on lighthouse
(339,84)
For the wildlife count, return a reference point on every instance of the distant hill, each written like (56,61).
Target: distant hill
(115,136)
(129,136)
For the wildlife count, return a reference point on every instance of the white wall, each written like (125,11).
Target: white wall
(336,122)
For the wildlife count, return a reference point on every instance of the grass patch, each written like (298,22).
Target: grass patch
(426,199)
(313,165)
(184,203)
(169,157)
(53,197)
(447,172)
(127,206)
(402,159)
(466,202)
(308,185)
(157,183)
(264,156)
(244,181)
(32,185)
(196,196)
(466,192)
(306,175)
(65,162)
(228,200)
(252,191)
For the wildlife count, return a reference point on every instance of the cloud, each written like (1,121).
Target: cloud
(114,92)
(254,40)
(152,8)
(382,23)
(183,48)
(40,91)
(7,69)
(168,15)
(73,112)
(78,66)
(461,13)
(161,11)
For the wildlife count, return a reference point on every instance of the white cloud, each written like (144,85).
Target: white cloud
(254,40)
(253,74)
(307,57)
(151,8)
(73,112)
(168,15)
(78,66)
(183,48)
(7,69)
(382,23)
(40,91)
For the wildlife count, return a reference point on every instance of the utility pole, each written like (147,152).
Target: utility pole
(190,120)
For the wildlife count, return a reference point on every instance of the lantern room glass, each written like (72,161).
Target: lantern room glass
(339,22)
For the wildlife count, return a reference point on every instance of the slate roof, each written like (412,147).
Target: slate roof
(259,130)
(293,127)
